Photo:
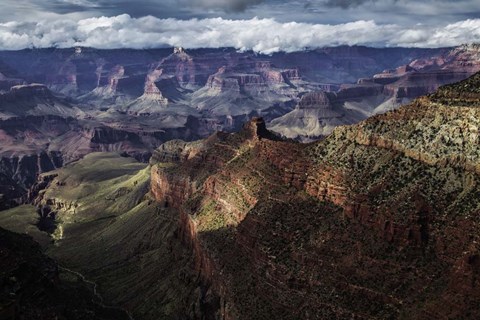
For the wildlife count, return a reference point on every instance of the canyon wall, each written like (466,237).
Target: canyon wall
(368,223)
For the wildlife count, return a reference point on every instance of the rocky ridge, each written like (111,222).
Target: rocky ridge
(104,224)
(383,92)
(382,213)
(34,99)
(313,117)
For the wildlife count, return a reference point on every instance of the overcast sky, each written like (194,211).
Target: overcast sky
(262,25)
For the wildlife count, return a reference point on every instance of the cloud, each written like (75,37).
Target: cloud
(346,3)
(82,3)
(261,35)
(401,12)
(467,31)
(226,5)
(159,8)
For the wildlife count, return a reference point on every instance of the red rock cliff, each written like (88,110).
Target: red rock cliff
(378,220)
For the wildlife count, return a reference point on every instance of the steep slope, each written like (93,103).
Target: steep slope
(424,76)
(35,144)
(133,100)
(34,99)
(32,287)
(221,87)
(383,92)
(314,117)
(41,131)
(246,86)
(8,77)
(81,70)
(379,220)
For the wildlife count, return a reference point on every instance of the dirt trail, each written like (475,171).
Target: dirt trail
(98,297)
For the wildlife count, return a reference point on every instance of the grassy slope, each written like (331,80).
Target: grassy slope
(117,236)
(32,288)
(24,219)
(112,232)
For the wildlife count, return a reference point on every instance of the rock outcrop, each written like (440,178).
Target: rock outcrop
(34,99)
(314,117)
(222,88)
(88,207)
(32,145)
(383,92)
(424,76)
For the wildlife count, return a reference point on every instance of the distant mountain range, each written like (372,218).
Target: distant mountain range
(57,105)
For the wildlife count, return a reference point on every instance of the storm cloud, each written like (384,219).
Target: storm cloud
(227,5)
(402,12)
(346,3)
(261,35)
(261,25)
(138,8)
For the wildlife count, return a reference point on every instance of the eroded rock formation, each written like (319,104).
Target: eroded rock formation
(376,221)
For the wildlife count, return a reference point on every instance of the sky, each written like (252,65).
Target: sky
(262,25)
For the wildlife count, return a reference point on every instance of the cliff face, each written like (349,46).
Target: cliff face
(131,101)
(383,92)
(379,220)
(33,99)
(21,172)
(424,76)
(313,117)
(381,213)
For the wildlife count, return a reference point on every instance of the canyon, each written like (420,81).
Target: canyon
(377,220)
(58,105)
(164,185)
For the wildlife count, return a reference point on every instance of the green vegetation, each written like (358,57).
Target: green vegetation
(370,222)
(463,93)
(115,234)
(24,219)
(211,218)
(100,185)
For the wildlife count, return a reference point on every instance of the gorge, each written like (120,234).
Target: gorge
(58,105)
(377,220)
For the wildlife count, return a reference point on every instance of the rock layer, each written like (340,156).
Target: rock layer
(376,221)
